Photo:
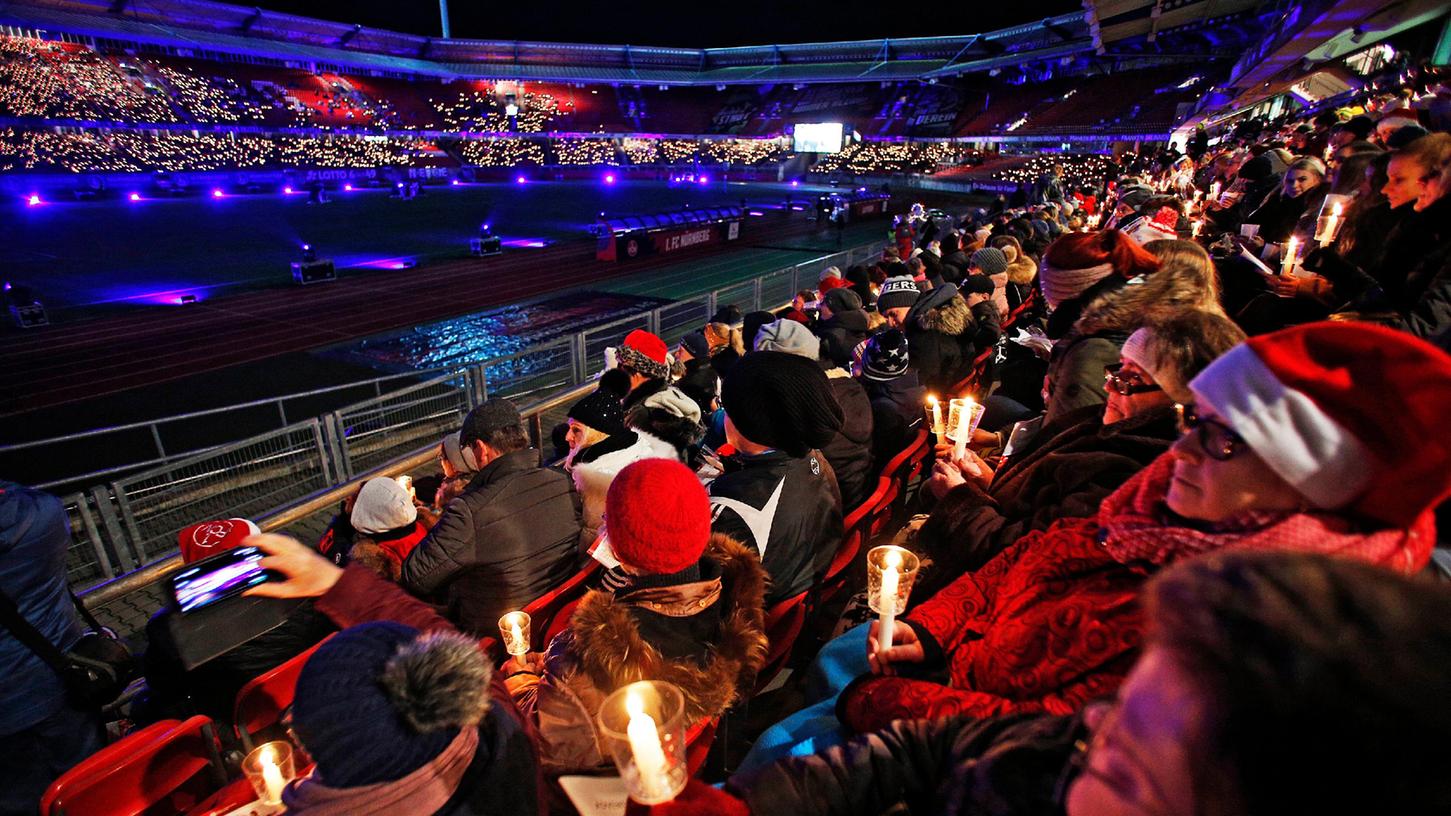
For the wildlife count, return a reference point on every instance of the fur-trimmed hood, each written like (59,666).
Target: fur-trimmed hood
(611,651)
(1022,270)
(951,316)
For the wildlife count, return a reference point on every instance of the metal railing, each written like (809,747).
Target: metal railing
(131,524)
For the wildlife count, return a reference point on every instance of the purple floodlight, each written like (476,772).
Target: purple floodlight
(520,179)
(287,191)
(705,179)
(33,200)
(795,183)
(134,197)
(216,192)
(454,182)
(609,178)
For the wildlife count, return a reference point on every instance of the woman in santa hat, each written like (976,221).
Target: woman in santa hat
(1328,438)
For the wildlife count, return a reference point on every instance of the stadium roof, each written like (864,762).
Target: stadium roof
(223,28)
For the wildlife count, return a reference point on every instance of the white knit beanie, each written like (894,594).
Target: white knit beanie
(382,505)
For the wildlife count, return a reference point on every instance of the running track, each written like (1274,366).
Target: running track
(77,361)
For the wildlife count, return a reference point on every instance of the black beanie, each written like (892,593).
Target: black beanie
(976,285)
(782,401)
(601,410)
(751,326)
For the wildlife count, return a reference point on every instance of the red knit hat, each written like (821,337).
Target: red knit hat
(208,538)
(1078,260)
(645,353)
(657,516)
(1354,416)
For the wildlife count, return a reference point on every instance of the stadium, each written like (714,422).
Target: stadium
(416,320)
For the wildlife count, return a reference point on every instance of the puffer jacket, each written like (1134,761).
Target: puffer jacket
(850,451)
(706,636)
(511,537)
(896,414)
(34,537)
(955,766)
(602,462)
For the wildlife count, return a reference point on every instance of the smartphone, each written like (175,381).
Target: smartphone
(218,578)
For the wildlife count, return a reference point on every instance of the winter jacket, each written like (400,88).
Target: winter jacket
(34,537)
(1022,271)
(511,537)
(955,265)
(1053,621)
(706,636)
(954,766)
(340,540)
(1076,366)
(850,451)
(504,776)
(1279,215)
(1067,475)
(897,413)
(840,334)
(602,462)
(940,338)
(788,510)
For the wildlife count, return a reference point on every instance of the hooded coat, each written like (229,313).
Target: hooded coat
(896,414)
(1066,476)
(840,334)
(707,637)
(604,461)
(943,334)
(1054,621)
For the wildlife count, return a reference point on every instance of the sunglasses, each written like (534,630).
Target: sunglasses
(1218,440)
(1126,384)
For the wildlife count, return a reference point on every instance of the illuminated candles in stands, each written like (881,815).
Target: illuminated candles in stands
(962,417)
(890,573)
(1214,192)
(514,628)
(269,768)
(1327,226)
(644,727)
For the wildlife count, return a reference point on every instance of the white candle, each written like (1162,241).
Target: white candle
(964,428)
(887,600)
(645,747)
(937,428)
(1332,224)
(1287,263)
(516,639)
(1195,227)
(1214,192)
(272,781)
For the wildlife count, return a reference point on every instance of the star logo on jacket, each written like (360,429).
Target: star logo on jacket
(757,521)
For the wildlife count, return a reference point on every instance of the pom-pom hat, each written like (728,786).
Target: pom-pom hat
(645,353)
(1353,416)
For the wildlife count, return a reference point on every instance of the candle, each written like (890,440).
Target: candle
(887,600)
(1287,263)
(1214,192)
(1195,227)
(514,627)
(645,745)
(1329,226)
(937,428)
(964,428)
(406,482)
(272,781)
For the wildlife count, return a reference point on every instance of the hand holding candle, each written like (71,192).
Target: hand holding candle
(1290,256)
(643,726)
(890,573)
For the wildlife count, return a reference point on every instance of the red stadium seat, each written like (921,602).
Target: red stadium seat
(261,702)
(549,613)
(784,622)
(164,768)
(698,739)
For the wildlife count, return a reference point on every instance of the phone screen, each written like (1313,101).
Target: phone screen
(224,576)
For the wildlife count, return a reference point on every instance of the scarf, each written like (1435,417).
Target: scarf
(423,791)
(1137,526)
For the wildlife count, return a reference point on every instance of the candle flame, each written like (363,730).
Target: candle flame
(931,399)
(634,704)
(268,755)
(1335,209)
(893,559)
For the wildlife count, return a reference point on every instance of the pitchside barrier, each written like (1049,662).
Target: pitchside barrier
(124,533)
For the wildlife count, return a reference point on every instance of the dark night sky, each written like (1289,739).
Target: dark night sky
(687,23)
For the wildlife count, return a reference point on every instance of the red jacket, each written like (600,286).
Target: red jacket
(1054,621)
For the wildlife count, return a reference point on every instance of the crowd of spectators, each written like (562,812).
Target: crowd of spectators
(131,151)
(863,158)
(1183,564)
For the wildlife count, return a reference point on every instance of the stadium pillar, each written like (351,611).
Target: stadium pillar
(443,16)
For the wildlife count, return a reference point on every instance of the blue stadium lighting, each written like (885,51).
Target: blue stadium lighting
(33,200)
(400,185)
(287,191)
(454,182)
(704,179)
(134,197)
(347,188)
(520,179)
(795,183)
(217,192)
(610,178)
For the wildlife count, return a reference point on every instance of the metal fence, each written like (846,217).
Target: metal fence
(134,521)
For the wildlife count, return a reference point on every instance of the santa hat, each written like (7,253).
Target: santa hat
(657,516)
(1353,416)
(1077,261)
(645,353)
(208,538)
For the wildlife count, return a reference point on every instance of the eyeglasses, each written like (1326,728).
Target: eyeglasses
(1151,802)
(1218,440)
(1126,384)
